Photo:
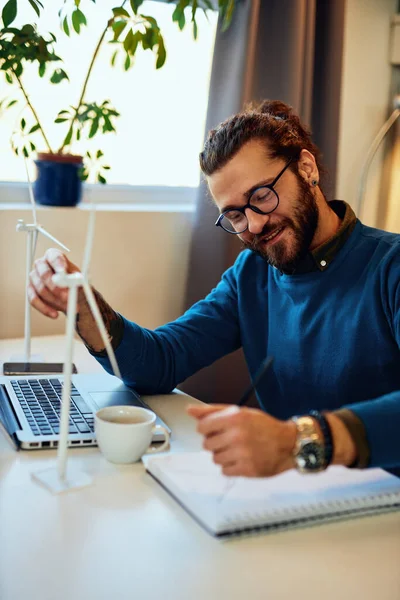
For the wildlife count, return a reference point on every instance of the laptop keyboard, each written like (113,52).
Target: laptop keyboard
(40,400)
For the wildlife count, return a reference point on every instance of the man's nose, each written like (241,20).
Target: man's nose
(256,222)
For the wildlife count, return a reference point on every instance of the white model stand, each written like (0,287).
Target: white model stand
(60,479)
(32,230)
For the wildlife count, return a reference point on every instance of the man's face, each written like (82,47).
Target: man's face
(292,225)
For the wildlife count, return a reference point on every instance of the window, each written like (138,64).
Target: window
(161,128)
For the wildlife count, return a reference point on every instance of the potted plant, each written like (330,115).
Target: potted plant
(60,171)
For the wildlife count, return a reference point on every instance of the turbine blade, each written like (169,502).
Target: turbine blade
(102,329)
(51,237)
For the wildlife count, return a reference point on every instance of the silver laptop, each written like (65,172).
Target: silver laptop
(30,408)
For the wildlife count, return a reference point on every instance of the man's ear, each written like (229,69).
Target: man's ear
(307,167)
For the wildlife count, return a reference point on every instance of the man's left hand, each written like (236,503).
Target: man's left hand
(245,442)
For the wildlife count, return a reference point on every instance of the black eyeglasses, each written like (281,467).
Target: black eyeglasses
(263,200)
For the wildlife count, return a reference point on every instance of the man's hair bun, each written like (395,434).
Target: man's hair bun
(275,108)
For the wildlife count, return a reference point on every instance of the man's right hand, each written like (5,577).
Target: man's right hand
(43,294)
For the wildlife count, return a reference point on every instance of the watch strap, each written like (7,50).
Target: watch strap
(326,432)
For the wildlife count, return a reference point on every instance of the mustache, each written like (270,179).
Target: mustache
(268,229)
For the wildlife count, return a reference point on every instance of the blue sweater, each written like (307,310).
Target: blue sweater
(334,335)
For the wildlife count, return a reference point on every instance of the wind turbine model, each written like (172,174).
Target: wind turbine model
(33,230)
(58,479)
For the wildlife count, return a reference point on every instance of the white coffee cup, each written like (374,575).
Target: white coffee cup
(124,433)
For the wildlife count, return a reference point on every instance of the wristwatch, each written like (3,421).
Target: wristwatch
(312,451)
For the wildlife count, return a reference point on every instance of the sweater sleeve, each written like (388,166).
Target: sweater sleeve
(381,416)
(154,362)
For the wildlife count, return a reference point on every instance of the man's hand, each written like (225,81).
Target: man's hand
(42,293)
(245,441)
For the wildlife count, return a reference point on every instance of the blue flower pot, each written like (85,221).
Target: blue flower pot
(58,182)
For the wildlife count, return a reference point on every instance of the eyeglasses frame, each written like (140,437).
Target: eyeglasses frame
(242,209)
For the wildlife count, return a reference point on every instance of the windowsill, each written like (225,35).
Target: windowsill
(106,207)
(111,198)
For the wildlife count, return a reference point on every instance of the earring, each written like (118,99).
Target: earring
(314,182)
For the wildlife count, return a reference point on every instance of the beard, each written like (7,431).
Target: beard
(286,254)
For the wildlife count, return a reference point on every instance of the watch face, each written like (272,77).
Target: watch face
(311,457)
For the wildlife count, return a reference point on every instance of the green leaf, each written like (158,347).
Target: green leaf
(23,123)
(118,28)
(101,179)
(99,153)
(25,152)
(108,126)
(161,54)
(33,147)
(60,120)
(42,69)
(76,23)
(182,21)
(34,128)
(9,78)
(113,58)
(66,26)
(35,7)
(128,41)
(10,104)
(58,75)
(82,18)
(94,128)
(195,30)
(228,15)
(78,134)
(120,12)
(176,15)
(135,5)
(18,70)
(127,62)
(68,138)
(152,22)
(9,12)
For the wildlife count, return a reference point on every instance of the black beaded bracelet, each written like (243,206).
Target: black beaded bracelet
(326,432)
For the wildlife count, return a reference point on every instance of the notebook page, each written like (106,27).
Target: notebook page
(223,502)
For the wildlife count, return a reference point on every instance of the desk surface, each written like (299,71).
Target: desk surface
(124,537)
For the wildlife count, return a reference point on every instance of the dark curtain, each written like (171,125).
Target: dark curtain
(279,49)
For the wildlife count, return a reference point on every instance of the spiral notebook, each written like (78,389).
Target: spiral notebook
(230,505)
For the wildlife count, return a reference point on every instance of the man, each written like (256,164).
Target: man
(314,288)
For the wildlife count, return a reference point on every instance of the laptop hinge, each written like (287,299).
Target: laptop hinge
(8,418)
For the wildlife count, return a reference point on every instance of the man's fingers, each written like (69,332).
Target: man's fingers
(57,260)
(53,299)
(37,303)
(198,411)
(217,442)
(226,457)
(218,421)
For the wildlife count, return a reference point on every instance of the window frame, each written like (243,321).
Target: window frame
(115,196)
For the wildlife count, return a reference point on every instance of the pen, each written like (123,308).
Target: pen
(258,376)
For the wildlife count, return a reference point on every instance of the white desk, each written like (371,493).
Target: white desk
(124,537)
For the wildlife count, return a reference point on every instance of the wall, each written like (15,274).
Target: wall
(139,263)
(365,98)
